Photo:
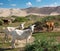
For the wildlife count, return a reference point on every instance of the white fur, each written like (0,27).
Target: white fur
(22,25)
(7,31)
(32,27)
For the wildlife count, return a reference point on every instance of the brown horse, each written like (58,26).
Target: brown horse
(50,25)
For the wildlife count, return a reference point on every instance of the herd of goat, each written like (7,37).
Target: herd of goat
(18,34)
(23,33)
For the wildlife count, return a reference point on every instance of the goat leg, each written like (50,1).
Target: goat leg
(13,43)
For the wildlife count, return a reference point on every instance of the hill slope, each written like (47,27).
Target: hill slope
(44,10)
(4,12)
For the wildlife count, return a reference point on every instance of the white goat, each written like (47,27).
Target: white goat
(22,25)
(21,34)
(7,30)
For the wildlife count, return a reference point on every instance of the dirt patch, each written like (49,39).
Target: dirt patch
(58,38)
(56,30)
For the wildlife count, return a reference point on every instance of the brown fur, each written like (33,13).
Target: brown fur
(50,25)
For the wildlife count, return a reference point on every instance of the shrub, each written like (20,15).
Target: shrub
(20,19)
(33,17)
(48,18)
(39,25)
(43,44)
(57,24)
(13,16)
(1,22)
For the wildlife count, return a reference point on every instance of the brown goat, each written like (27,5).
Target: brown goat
(50,25)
